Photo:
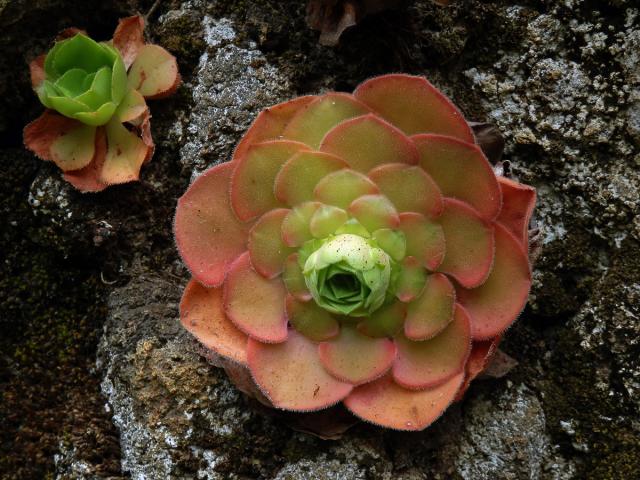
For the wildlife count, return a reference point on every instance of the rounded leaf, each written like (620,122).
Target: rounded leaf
(326,220)
(125,154)
(384,322)
(343,187)
(518,201)
(425,239)
(374,212)
(268,251)
(432,311)
(411,280)
(154,72)
(294,279)
(309,319)
(295,226)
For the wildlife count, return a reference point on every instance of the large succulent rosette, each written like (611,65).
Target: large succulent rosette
(96,127)
(357,249)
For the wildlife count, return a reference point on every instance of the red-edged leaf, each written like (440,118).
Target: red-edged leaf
(384,322)
(411,280)
(202,314)
(432,311)
(314,120)
(270,123)
(254,176)
(425,239)
(154,72)
(298,177)
(385,403)
(129,38)
(126,153)
(36,70)
(208,235)
(367,142)
(413,105)
(268,251)
(342,187)
(409,188)
(356,358)
(479,357)
(469,241)
(461,171)
(87,179)
(518,201)
(374,212)
(291,376)
(294,279)
(495,304)
(427,363)
(326,220)
(295,226)
(309,319)
(255,304)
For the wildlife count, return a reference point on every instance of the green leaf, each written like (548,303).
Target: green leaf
(71,84)
(99,117)
(100,91)
(80,52)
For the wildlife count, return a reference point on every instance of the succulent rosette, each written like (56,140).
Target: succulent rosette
(96,126)
(357,249)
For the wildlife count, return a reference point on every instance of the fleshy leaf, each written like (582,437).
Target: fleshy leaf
(129,38)
(353,227)
(367,142)
(132,107)
(461,171)
(411,280)
(99,117)
(87,179)
(391,241)
(384,322)
(208,234)
(270,123)
(294,279)
(154,72)
(298,177)
(314,120)
(356,358)
(413,105)
(518,201)
(409,188)
(309,319)
(202,314)
(268,251)
(255,304)
(425,239)
(495,304)
(79,51)
(125,154)
(254,176)
(374,212)
(342,187)
(36,71)
(470,244)
(326,220)
(291,376)
(295,226)
(66,142)
(481,353)
(428,363)
(432,311)
(385,403)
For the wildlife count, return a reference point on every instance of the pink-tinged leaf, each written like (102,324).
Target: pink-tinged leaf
(367,142)
(131,108)
(518,201)
(298,177)
(87,179)
(129,38)
(310,320)
(270,123)
(356,358)
(70,32)
(154,72)
(385,403)
(461,171)
(326,220)
(470,244)
(314,120)
(68,143)
(291,376)
(208,235)
(432,311)
(254,176)
(268,251)
(374,212)
(295,226)
(126,153)
(255,304)
(384,322)
(411,280)
(392,242)
(294,279)
(145,133)
(342,187)
(413,105)
(495,304)
(36,70)
(409,188)
(425,239)
(428,363)
(202,314)
(481,353)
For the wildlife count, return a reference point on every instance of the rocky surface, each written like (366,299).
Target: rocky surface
(560,79)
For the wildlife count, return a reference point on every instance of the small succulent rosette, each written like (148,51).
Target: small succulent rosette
(357,249)
(96,126)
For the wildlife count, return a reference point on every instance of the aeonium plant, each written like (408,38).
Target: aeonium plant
(96,127)
(356,249)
